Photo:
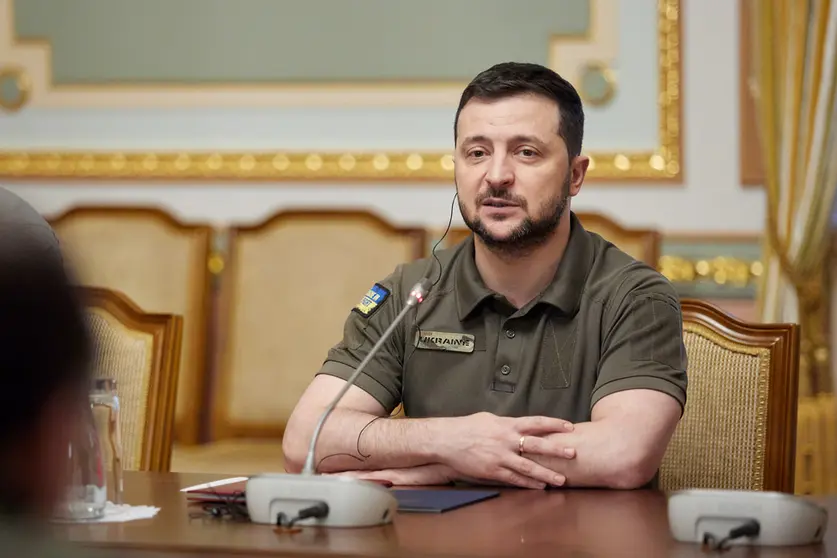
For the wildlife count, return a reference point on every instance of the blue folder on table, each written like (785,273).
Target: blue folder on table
(438,501)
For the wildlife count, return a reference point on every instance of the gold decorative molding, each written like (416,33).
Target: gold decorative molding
(721,270)
(610,84)
(662,164)
(23,84)
(227,166)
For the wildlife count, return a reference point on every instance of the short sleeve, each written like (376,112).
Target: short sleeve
(364,325)
(643,345)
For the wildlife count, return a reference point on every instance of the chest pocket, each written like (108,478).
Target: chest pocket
(443,368)
(557,352)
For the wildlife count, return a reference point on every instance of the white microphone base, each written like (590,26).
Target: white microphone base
(784,519)
(351,502)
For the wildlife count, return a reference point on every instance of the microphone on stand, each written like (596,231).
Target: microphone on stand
(329,501)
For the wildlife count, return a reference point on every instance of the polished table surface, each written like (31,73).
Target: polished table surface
(577,523)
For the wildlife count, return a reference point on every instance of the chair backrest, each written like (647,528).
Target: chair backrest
(161,265)
(641,244)
(141,351)
(289,285)
(738,430)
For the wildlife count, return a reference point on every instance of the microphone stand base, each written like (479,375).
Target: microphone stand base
(783,519)
(350,502)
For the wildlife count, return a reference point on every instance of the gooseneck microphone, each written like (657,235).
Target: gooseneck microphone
(286,499)
(416,296)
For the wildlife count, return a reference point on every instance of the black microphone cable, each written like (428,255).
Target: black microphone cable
(426,274)
(433,255)
(318,510)
(748,529)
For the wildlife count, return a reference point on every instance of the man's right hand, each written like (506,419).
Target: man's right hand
(485,446)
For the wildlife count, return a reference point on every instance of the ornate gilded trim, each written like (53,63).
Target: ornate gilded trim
(227,166)
(609,77)
(24,87)
(721,270)
(663,164)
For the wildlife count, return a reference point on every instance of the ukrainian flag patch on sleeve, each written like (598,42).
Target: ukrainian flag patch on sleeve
(372,300)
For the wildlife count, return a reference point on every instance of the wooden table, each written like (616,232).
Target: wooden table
(572,523)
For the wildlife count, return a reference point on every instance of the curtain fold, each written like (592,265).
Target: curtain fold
(793,83)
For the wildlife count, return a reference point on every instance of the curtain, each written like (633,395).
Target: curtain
(793,85)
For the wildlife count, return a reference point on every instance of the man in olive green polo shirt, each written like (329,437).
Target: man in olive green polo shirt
(542,356)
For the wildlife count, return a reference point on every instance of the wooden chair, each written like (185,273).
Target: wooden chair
(161,265)
(641,244)
(738,430)
(141,351)
(288,287)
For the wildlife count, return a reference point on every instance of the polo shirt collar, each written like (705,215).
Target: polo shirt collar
(564,292)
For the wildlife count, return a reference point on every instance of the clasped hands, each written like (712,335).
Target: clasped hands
(488,449)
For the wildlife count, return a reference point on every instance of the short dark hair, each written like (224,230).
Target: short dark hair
(508,79)
(45,348)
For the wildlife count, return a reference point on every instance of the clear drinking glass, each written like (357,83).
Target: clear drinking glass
(105,404)
(86,495)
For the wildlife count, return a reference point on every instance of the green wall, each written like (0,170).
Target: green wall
(194,41)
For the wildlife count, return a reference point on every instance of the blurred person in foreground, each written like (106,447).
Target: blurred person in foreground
(45,353)
(542,356)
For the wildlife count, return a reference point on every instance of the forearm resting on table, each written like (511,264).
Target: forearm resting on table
(609,453)
(601,459)
(355,440)
(606,456)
